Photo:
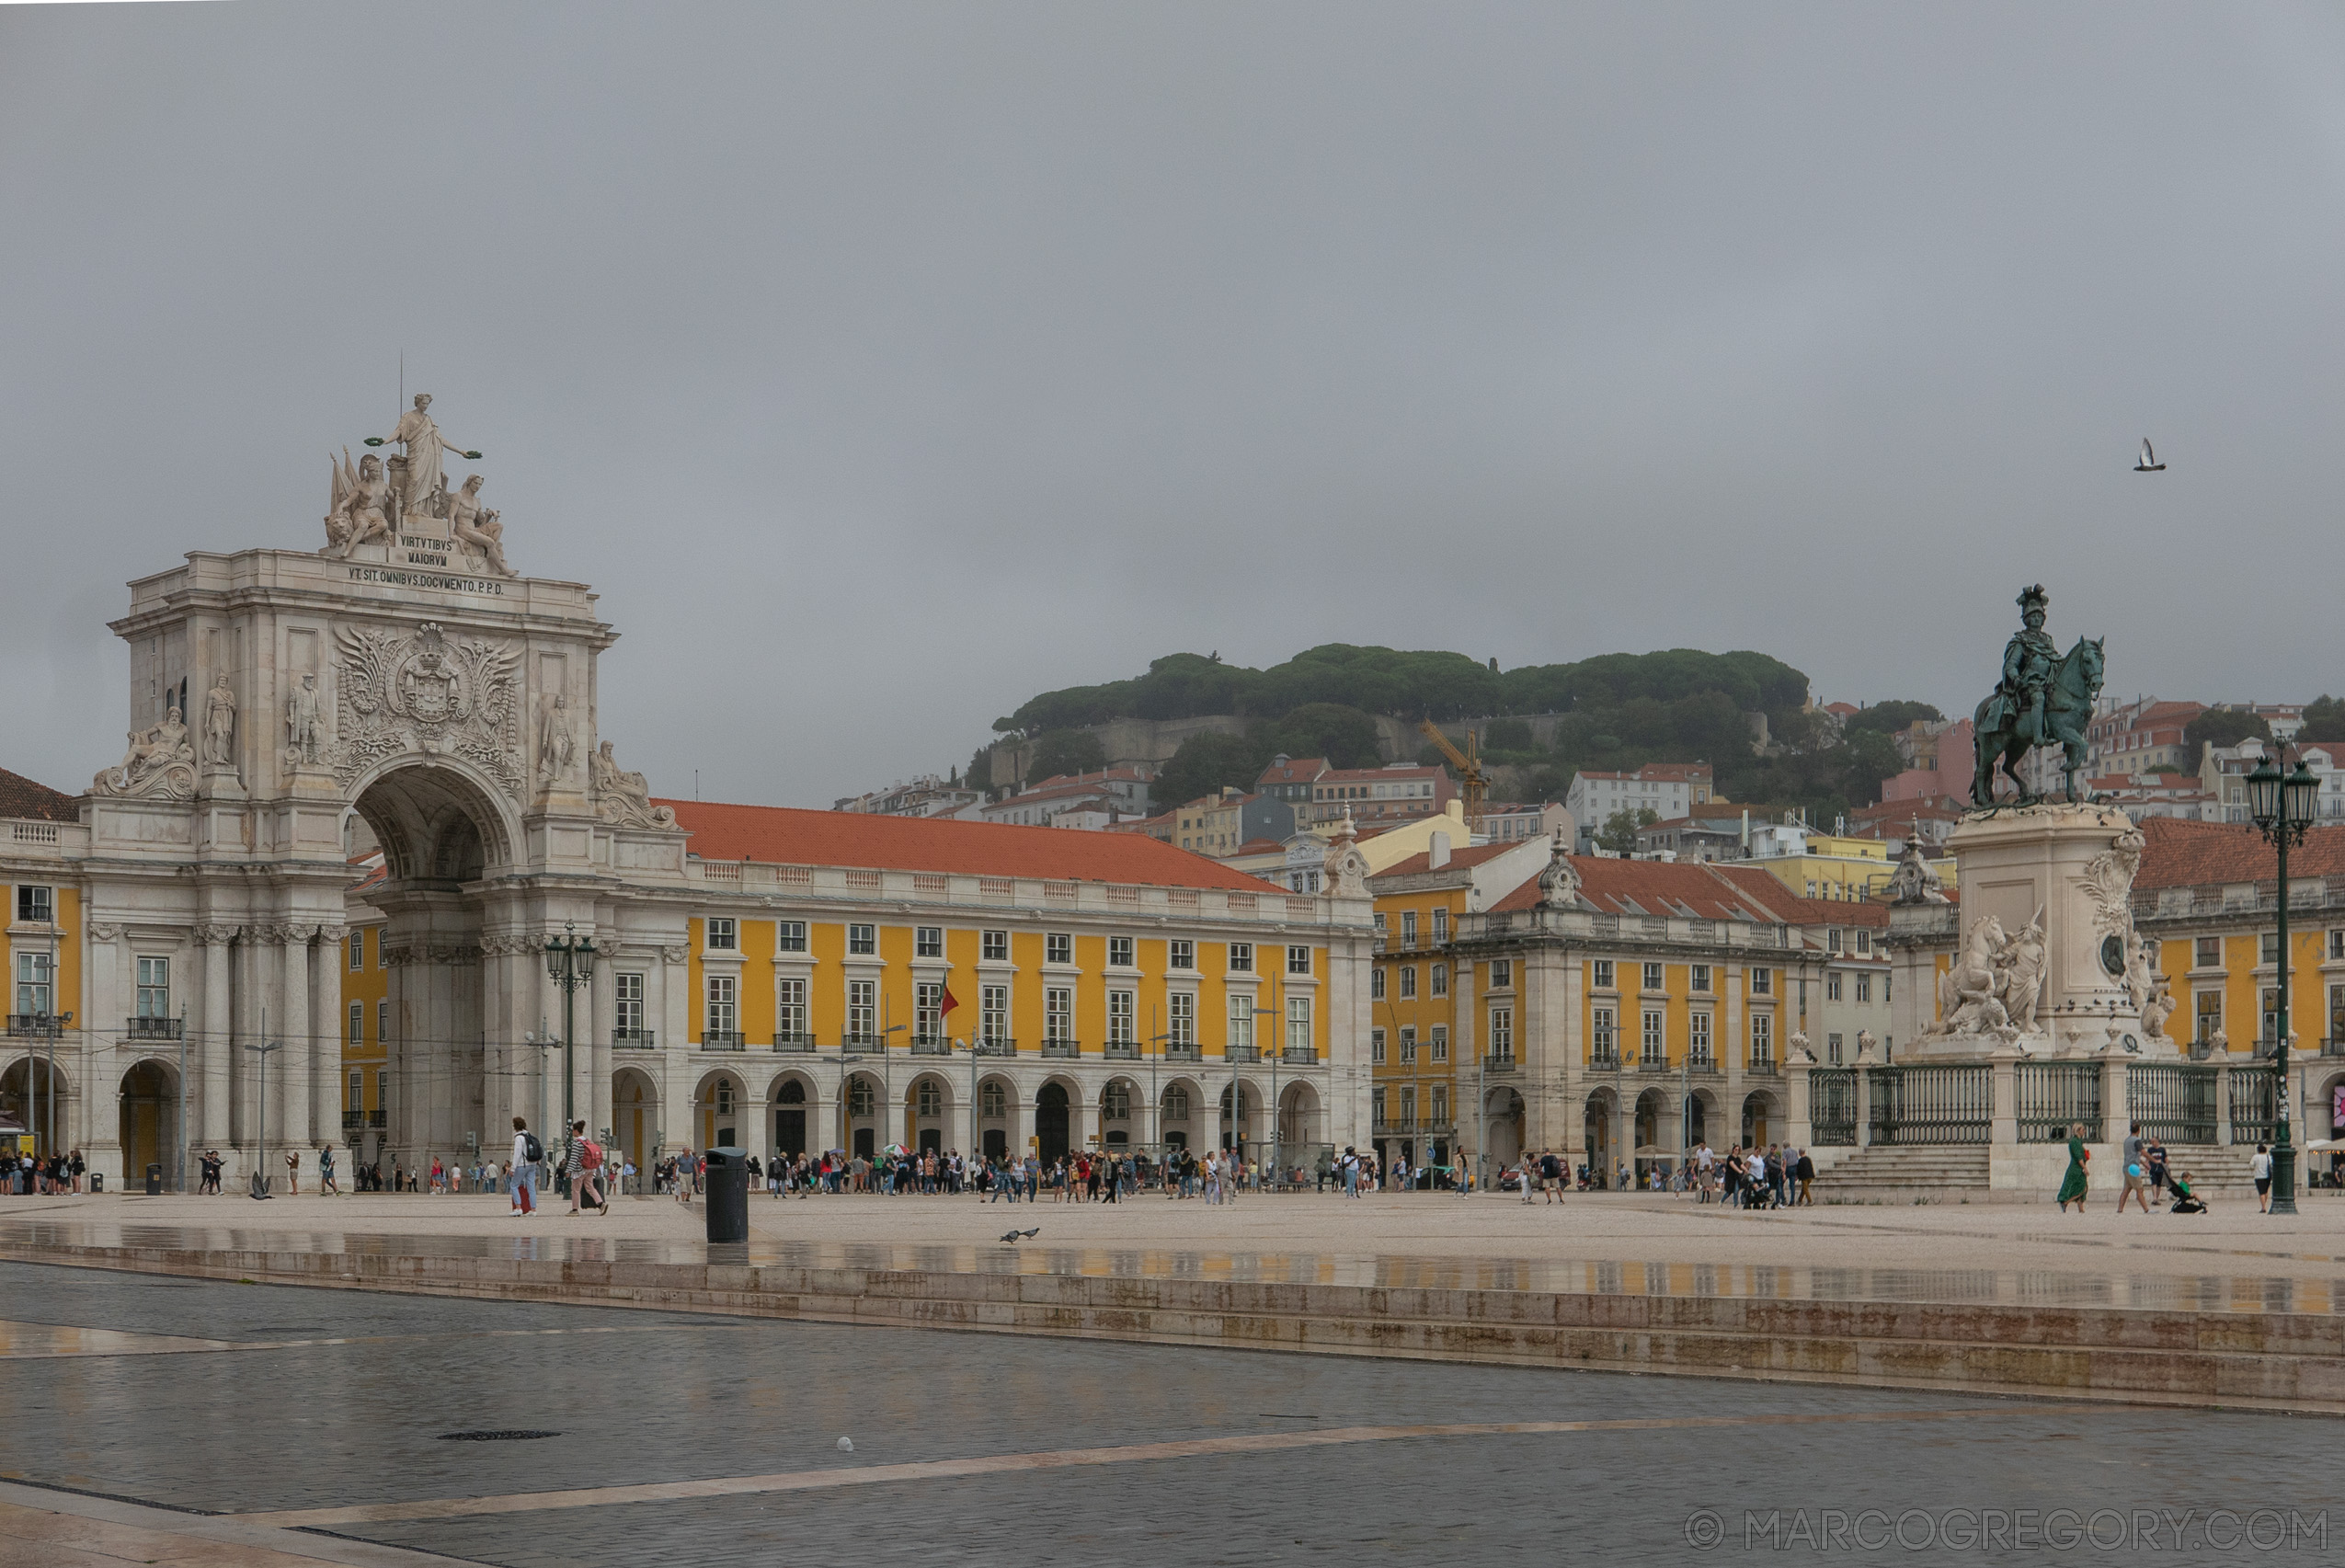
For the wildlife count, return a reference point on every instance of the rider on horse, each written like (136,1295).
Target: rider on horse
(2029,659)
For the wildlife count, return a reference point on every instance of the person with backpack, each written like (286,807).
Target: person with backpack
(582,1163)
(527,1152)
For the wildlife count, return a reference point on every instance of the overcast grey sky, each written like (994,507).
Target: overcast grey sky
(882,365)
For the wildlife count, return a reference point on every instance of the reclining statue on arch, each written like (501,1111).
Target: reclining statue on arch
(2045,698)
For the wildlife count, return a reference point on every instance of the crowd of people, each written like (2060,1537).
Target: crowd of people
(27,1173)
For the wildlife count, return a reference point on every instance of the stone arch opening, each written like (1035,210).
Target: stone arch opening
(149,1123)
(1298,1118)
(1052,1104)
(996,1095)
(1118,1117)
(634,1115)
(26,1101)
(1249,1112)
(1502,1129)
(1762,1119)
(862,1111)
(1595,1136)
(719,1103)
(1176,1108)
(928,1107)
(791,1122)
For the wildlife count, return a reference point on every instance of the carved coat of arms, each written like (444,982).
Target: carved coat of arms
(425,693)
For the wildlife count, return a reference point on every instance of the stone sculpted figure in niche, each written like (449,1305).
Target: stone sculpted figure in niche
(555,747)
(426,483)
(621,798)
(477,525)
(304,723)
(159,761)
(361,511)
(220,723)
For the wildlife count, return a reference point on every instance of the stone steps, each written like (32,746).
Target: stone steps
(1903,1174)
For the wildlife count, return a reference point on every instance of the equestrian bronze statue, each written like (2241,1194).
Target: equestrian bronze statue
(2045,698)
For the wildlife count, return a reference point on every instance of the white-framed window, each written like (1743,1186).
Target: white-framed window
(1603,980)
(1241,957)
(1376,1105)
(1122,1017)
(724,1011)
(1180,953)
(1408,928)
(724,935)
(993,1013)
(1119,953)
(1376,983)
(1441,1104)
(863,941)
(1408,1045)
(35,905)
(1697,977)
(2337,943)
(1832,1049)
(358,949)
(1762,1036)
(1115,1102)
(862,1098)
(355,1104)
(1298,1025)
(1502,974)
(1502,1034)
(1181,1017)
(1864,940)
(1057,1012)
(1299,959)
(928,1009)
(155,988)
(790,1008)
(790,936)
(1376,1047)
(1650,1044)
(1058,947)
(928,1100)
(1832,986)
(1440,926)
(1698,1038)
(863,1009)
(382,1091)
(1440,978)
(1864,988)
(1762,982)
(358,1023)
(1653,977)
(993,1100)
(382,1022)
(993,947)
(1241,1021)
(626,997)
(1603,1037)
(2208,953)
(32,983)
(928,941)
(1408,981)
(1439,1042)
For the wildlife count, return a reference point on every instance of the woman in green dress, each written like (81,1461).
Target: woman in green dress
(2073,1186)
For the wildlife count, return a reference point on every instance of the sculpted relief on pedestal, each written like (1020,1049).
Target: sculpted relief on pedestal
(160,764)
(425,693)
(621,798)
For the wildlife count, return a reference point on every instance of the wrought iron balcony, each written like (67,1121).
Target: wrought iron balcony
(788,1041)
(1184,1051)
(377,1118)
(1499,1065)
(1121,1051)
(153,1029)
(1763,1067)
(721,1040)
(35,1026)
(352,1119)
(863,1044)
(1066,1050)
(1234,1052)
(931,1045)
(998,1046)
(1299,1053)
(1604,1061)
(634,1039)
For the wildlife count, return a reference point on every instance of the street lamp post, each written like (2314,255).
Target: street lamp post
(569,962)
(2282,808)
(261,1049)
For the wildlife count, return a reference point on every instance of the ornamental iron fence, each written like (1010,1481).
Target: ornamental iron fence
(1932,1104)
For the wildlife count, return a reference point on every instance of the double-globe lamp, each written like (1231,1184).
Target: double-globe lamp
(2282,807)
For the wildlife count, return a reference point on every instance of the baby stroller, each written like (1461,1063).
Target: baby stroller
(2186,1201)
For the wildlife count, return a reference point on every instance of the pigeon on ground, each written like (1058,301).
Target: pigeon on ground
(1012,1235)
(846,1445)
(2149,463)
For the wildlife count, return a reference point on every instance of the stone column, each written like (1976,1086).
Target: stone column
(2115,1110)
(101,1017)
(212,1054)
(2003,1068)
(327,1073)
(2223,1101)
(1797,1105)
(289,1116)
(604,995)
(1864,1102)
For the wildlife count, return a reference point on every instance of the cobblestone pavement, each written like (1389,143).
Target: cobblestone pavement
(322,1399)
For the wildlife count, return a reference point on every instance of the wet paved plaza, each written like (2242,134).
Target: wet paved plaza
(315,1419)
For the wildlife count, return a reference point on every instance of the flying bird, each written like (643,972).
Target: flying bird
(2149,463)
(1011,1236)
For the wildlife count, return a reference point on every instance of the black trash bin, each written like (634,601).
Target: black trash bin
(727,1198)
(154,1180)
(97,1181)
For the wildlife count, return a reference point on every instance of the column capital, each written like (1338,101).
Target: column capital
(216,935)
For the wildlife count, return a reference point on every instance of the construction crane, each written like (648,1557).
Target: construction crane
(1468,765)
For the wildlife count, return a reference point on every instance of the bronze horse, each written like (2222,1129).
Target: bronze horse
(2067,707)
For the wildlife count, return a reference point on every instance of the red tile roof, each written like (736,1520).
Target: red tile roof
(1473,854)
(1660,888)
(22,798)
(1295,770)
(2181,853)
(783,835)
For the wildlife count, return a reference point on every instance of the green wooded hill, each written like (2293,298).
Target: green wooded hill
(1613,711)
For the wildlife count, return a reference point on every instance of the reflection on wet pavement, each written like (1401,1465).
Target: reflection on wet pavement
(2209,1292)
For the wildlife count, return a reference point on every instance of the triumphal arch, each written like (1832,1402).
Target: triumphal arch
(405,675)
